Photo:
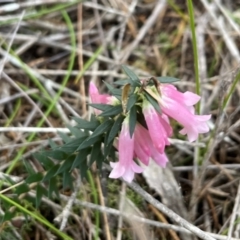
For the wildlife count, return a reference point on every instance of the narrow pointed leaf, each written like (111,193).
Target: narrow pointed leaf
(50,174)
(37,177)
(66,166)
(40,192)
(154,103)
(132,120)
(56,154)
(83,169)
(102,107)
(53,188)
(52,144)
(8,216)
(67,180)
(122,82)
(115,128)
(28,167)
(167,79)
(44,160)
(96,152)
(22,189)
(88,142)
(131,101)
(113,90)
(76,132)
(84,124)
(73,145)
(80,157)
(115,110)
(102,128)
(64,137)
(107,146)
(134,78)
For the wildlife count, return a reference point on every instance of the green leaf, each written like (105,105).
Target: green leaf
(64,137)
(131,101)
(40,192)
(66,166)
(115,110)
(80,157)
(99,162)
(167,79)
(122,82)
(154,103)
(56,154)
(83,168)
(53,188)
(88,142)
(44,160)
(76,132)
(37,177)
(22,189)
(107,146)
(106,125)
(96,152)
(132,120)
(50,173)
(72,146)
(8,216)
(102,107)
(113,90)
(84,124)
(135,80)
(28,167)
(115,128)
(52,144)
(67,180)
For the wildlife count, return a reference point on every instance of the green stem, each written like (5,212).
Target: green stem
(195,51)
(14,113)
(232,89)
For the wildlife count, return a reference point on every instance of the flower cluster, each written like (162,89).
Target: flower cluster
(148,141)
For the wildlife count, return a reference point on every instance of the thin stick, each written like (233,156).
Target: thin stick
(168,212)
(105,219)
(161,4)
(34,129)
(80,57)
(64,215)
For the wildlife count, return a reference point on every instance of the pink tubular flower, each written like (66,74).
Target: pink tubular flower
(96,97)
(180,107)
(159,129)
(142,134)
(126,167)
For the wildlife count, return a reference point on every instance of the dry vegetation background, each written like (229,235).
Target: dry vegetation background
(50,50)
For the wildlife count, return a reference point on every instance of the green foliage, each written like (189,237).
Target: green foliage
(134,80)
(153,102)
(132,120)
(167,79)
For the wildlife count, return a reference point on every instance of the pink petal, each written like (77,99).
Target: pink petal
(191,98)
(156,130)
(160,159)
(118,170)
